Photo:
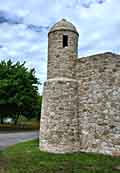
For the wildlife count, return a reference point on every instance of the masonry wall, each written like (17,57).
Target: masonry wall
(61,61)
(99,103)
(59,130)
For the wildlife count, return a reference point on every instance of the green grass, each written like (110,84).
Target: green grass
(26,158)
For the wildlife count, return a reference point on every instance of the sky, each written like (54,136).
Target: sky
(24,25)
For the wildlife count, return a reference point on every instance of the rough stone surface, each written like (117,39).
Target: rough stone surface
(59,125)
(99,102)
(81,99)
(63,25)
(61,61)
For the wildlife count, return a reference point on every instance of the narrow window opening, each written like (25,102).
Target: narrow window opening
(65,41)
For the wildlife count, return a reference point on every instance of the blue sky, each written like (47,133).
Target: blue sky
(24,25)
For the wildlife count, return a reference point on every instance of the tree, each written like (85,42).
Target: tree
(36,113)
(18,90)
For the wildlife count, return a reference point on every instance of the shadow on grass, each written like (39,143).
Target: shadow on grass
(3,163)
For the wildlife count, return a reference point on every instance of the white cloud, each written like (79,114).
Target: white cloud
(98,23)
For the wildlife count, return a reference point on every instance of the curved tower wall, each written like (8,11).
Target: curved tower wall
(59,128)
(59,122)
(61,61)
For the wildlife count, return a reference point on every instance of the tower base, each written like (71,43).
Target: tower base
(59,128)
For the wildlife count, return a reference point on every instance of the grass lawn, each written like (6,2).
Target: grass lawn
(26,158)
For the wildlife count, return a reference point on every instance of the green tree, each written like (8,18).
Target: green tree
(18,90)
(36,113)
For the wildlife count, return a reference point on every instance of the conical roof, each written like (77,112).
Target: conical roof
(63,25)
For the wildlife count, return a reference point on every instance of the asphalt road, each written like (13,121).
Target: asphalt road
(7,139)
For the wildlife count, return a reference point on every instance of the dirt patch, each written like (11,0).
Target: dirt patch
(3,164)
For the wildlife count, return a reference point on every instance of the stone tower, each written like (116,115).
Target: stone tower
(81,99)
(59,127)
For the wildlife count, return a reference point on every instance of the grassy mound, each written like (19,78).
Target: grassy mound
(26,158)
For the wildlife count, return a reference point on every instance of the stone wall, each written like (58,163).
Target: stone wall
(59,123)
(83,114)
(61,61)
(99,103)
(81,99)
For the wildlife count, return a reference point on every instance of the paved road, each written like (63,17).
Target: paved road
(7,139)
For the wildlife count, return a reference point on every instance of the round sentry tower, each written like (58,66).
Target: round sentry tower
(62,49)
(59,127)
